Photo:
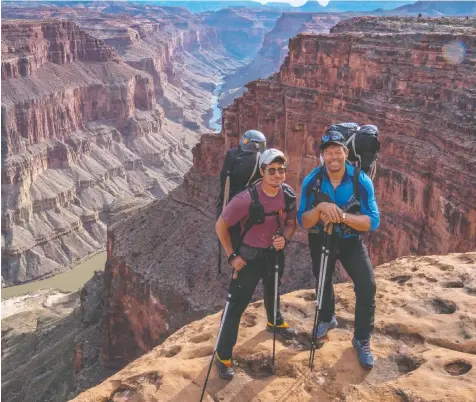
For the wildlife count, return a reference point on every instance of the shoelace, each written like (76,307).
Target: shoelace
(365,345)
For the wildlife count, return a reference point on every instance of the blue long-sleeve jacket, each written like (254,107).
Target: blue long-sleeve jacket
(342,196)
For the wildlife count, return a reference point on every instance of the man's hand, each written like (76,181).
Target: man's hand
(332,212)
(237,263)
(325,218)
(279,242)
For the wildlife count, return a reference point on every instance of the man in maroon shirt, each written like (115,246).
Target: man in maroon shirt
(261,245)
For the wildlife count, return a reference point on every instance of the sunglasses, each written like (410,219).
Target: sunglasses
(272,171)
(333,137)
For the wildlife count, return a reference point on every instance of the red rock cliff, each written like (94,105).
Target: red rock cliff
(422,103)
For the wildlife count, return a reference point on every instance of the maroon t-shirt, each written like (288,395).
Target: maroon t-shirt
(261,235)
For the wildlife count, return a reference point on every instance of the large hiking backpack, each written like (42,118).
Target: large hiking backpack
(240,169)
(363,145)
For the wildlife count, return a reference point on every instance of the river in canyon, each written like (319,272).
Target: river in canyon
(215,121)
(75,278)
(69,281)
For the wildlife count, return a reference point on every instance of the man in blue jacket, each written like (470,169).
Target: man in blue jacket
(329,196)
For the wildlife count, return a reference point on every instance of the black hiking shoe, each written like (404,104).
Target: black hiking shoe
(284,330)
(224,370)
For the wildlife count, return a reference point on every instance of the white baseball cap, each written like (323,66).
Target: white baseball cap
(270,155)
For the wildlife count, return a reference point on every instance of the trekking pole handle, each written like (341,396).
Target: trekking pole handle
(329,230)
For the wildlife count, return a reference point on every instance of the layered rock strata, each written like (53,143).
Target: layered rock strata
(242,30)
(425,180)
(76,131)
(26,47)
(89,130)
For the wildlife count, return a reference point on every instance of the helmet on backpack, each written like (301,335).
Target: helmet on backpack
(253,141)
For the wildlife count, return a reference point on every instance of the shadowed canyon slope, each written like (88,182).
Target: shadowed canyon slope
(51,344)
(99,115)
(424,345)
(425,185)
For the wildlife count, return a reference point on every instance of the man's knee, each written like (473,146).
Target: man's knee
(366,289)
(372,287)
(238,306)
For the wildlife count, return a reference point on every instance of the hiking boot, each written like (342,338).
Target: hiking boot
(326,326)
(225,369)
(283,329)
(366,358)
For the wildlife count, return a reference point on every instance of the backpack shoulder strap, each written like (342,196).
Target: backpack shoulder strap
(356,182)
(253,173)
(255,204)
(253,193)
(289,197)
(320,174)
(315,185)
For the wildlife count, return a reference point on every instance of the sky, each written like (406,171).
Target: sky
(322,2)
(293,2)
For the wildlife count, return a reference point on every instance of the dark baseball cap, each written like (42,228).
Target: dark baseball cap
(332,137)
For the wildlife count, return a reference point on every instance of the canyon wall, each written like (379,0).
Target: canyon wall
(424,108)
(82,136)
(99,115)
(425,180)
(242,30)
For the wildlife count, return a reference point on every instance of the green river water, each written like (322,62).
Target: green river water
(68,281)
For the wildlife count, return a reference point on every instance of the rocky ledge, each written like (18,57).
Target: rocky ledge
(424,345)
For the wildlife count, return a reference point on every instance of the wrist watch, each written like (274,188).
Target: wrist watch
(343,217)
(232,257)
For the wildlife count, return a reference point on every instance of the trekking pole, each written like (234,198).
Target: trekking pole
(219,256)
(226,199)
(318,285)
(218,338)
(276,274)
(320,290)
